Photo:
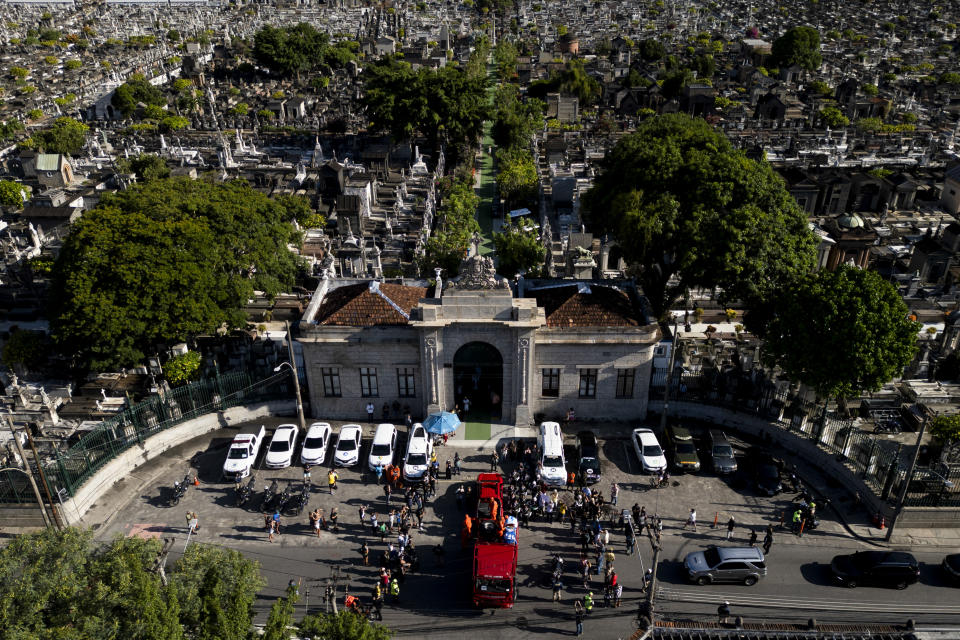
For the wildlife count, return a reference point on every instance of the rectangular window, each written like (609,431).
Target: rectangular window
(405,383)
(331,382)
(588,383)
(368,382)
(625,379)
(551,383)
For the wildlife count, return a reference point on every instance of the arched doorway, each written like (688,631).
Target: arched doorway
(478,375)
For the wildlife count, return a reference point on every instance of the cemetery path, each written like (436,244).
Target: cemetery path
(486,185)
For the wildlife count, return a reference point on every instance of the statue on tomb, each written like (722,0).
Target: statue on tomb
(583,254)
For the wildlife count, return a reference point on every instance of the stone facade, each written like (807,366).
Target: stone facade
(517,360)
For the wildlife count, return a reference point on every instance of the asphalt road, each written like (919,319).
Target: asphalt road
(435,602)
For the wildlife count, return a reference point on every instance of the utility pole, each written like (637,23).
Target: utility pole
(29,471)
(43,479)
(296,379)
(906,481)
(666,389)
(160,564)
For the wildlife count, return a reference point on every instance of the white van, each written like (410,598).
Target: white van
(550,443)
(383,446)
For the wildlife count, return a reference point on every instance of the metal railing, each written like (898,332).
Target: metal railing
(879,462)
(133,425)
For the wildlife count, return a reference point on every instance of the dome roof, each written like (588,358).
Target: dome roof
(850,221)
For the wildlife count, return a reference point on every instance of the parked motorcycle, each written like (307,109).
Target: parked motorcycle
(245,491)
(179,490)
(302,500)
(283,499)
(269,493)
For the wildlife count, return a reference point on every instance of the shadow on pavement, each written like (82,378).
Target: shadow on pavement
(817,573)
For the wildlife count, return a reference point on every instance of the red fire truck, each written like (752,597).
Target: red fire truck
(495,551)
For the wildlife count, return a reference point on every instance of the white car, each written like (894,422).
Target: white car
(383,447)
(417,460)
(648,451)
(280,452)
(315,444)
(347,452)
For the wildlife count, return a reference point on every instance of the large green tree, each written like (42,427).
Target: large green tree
(454,226)
(134,91)
(798,46)
(446,106)
(291,50)
(216,588)
(164,261)
(519,249)
(515,121)
(517,177)
(60,584)
(692,211)
(67,135)
(841,332)
(572,80)
(345,625)
(12,193)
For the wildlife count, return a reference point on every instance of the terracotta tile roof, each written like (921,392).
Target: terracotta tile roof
(363,305)
(598,307)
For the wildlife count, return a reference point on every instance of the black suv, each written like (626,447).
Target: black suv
(879,568)
(588,457)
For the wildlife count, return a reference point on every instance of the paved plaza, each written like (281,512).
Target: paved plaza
(435,600)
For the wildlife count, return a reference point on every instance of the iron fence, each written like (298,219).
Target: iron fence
(155,414)
(879,462)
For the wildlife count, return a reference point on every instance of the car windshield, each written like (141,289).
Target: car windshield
(279,445)
(588,461)
(380,450)
(416,459)
(652,451)
(712,557)
(552,461)
(237,454)
(346,444)
(313,443)
(723,451)
(686,447)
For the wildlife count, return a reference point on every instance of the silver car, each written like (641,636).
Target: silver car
(726,564)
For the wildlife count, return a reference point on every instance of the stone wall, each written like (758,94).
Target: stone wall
(347,349)
(76,507)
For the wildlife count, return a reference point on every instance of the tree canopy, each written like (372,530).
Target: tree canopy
(518,249)
(946,427)
(147,166)
(684,203)
(455,225)
(571,80)
(292,50)
(67,136)
(137,89)
(841,332)
(517,177)
(163,261)
(12,193)
(61,584)
(342,626)
(798,46)
(515,121)
(446,105)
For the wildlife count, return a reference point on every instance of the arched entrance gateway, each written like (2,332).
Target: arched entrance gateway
(478,375)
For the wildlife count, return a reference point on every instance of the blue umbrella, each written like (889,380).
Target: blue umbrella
(441,423)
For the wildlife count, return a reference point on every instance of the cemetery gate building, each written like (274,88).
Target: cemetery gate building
(518,356)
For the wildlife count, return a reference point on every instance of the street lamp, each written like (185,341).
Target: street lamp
(296,387)
(296,378)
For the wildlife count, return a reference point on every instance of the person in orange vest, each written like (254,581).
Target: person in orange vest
(493,509)
(467,524)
